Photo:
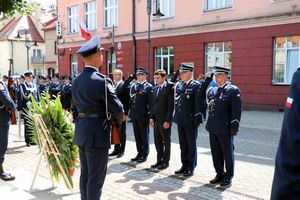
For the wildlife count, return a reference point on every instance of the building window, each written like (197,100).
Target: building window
(286,58)
(37,72)
(110,13)
(74,65)
(164,59)
(166,7)
(91,15)
(111,68)
(73,26)
(218,54)
(217,4)
(37,53)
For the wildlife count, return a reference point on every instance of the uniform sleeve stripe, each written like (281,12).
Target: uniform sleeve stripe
(235,121)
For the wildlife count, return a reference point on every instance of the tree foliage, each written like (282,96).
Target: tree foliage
(10,7)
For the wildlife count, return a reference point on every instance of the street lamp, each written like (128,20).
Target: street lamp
(157,14)
(27,44)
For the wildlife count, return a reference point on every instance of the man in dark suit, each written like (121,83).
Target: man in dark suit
(122,91)
(188,115)
(286,182)
(161,117)
(25,90)
(6,106)
(95,99)
(141,98)
(225,109)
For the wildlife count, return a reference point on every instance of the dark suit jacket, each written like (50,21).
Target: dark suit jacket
(122,92)
(163,103)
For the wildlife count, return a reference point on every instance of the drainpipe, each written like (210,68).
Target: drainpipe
(133,37)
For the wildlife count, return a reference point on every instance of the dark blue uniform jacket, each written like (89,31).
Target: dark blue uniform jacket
(225,108)
(91,92)
(286,183)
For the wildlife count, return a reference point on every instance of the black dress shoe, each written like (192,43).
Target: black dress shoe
(218,179)
(156,165)
(180,171)
(121,154)
(135,158)
(226,182)
(114,153)
(141,159)
(7,177)
(163,166)
(188,173)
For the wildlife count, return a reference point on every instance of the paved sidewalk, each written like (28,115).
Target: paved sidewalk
(255,145)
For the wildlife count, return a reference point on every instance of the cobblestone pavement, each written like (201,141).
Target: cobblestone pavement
(255,149)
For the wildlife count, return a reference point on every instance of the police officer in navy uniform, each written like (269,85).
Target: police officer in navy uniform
(95,99)
(54,86)
(42,84)
(161,118)
(6,106)
(25,90)
(141,98)
(66,93)
(286,181)
(189,112)
(225,108)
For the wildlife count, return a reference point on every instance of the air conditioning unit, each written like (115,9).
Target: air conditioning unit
(58,29)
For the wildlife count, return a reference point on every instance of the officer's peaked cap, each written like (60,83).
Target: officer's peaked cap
(90,47)
(219,70)
(141,70)
(42,77)
(186,67)
(28,73)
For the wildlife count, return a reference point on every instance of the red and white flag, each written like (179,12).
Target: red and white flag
(289,102)
(84,31)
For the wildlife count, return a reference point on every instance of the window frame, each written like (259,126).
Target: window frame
(114,61)
(206,9)
(72,17)
(171,9)
(35,53)
(162,56)
(109,9)
(223,53)
(89,13)
(72,64)
(285,48)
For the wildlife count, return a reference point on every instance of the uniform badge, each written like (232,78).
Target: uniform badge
(110,88)
(289,102)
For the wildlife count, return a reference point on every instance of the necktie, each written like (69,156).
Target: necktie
(158,90)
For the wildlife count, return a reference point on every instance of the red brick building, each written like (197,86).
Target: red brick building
(262,50)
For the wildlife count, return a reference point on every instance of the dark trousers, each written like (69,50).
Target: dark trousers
(188,147)
(3,142)
(120,148)
(222,149)
(27,135)
(162,141)
(93,164)
(141,135)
